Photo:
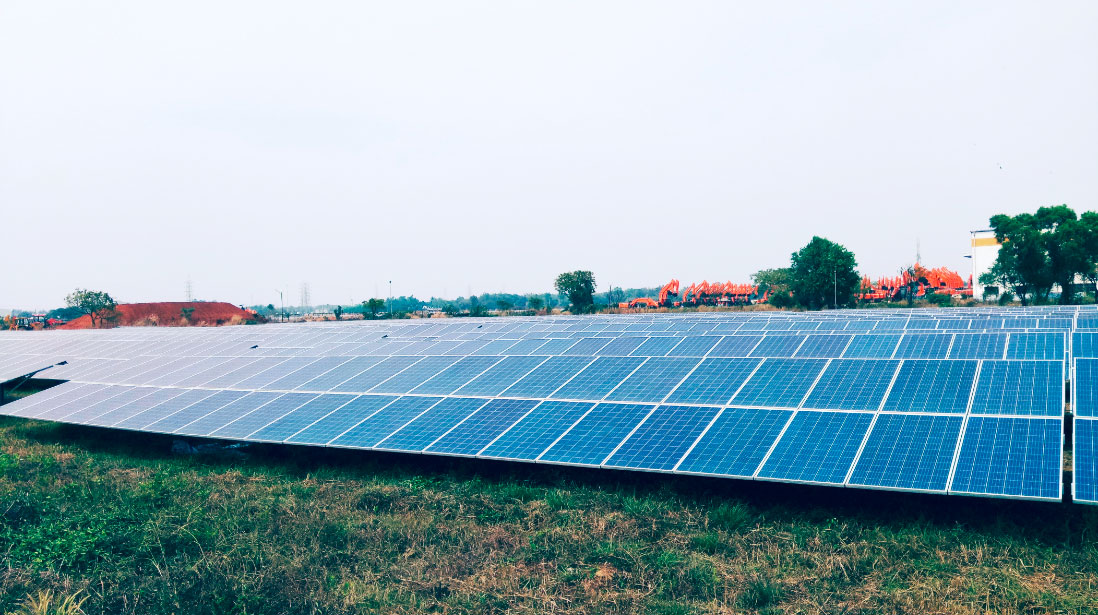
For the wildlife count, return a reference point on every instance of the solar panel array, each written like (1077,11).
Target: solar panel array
(965,401)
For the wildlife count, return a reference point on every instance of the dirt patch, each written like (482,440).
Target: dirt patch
(170,314)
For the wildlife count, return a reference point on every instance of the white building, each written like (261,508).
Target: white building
(985,249)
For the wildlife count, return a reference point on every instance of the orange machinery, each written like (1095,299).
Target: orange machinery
(940,281)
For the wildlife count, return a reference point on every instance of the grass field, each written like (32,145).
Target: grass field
(120,522)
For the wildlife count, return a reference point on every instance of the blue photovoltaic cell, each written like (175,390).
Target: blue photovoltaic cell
(780,383)
(924,346)
(547,377)
(592,439)
(482,427)
(587,347)
(1084,388)
(371,377)
(1020,387)
(361,409)
(556,347)
(283,427)
(872,346)
(267,376)
(159,404)
(1042,345)
(1084,345)
(695,346)
(1018,457)
(622,346)
(295,379)
(664,437)
(978,346)
(534,433)
(822,346)
(449,379)
(817,447)
(714,381)
(734,346)
(1085,460)
(500,376)
(599,378)
(244,425)
(495,347)
(524,347)
(216,419)
(933,385)
(60,408)
(659,346)
(908,451)
(324,382)
(852,384)
(429,426)
(778,346)
(653,380)
(175,420)
(736,442)
(124,396)
(413,376)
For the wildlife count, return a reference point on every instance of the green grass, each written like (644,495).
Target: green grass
(115,520)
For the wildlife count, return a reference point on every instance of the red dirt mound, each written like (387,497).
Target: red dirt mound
(169,313)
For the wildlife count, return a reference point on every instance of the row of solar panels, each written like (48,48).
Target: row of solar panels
(913,385)
(998,456)
(908,345)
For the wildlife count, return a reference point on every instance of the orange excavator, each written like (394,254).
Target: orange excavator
(668,294)
(941,281)
(716,293)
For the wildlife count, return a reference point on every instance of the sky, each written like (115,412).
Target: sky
(471,147)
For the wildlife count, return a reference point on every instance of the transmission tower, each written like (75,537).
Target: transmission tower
(189,291)
(305,301)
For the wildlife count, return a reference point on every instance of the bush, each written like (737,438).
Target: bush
(781,300)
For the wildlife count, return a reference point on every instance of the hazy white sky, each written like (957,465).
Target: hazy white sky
(463,146)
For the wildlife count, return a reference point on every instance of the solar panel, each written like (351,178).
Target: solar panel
(714,381)
(663,438)
(1020,387)
(535,432)
(932,386)
(432,424)
(924,346)
(817,447)
(1084,388)
(1015,457)
(872,346)
(852,384)
(883,394)
(474,433)
(824,346)
(1085,462)
(596,435)
(736,443)
(908,451)
(978,346)
(780,383)
(653,380)
(599,378)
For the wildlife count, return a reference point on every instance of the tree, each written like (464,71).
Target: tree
(579,287)
(95,303)
(504,305)
(450,309)
(823,273)
(371,307)
(338,311)
(475,308)
(775,280)
(534,302)
(1052,246)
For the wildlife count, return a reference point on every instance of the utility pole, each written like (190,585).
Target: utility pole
(282,303)
(835,281)
(390,298)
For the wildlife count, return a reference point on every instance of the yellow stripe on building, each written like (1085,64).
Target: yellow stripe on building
(982,242)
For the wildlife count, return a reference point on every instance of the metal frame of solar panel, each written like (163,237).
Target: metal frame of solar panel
(619,378)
